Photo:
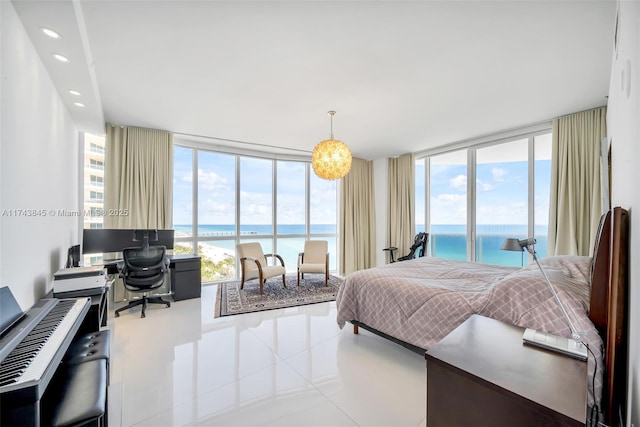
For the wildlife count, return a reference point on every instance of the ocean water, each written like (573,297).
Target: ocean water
(220,230)
(450,241)
(445,240)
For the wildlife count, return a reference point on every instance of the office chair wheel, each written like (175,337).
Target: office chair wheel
(168,304)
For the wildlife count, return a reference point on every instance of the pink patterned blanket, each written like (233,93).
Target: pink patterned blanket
(422,300)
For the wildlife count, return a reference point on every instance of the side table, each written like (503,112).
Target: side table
(482,374)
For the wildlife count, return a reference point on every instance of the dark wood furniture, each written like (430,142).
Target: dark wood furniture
(482,374)
(185,276)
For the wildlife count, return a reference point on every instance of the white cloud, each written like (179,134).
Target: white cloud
(510,213)
(483,186)
(211,181)
(459,182)
(449,209)
(215,211)
(499,174)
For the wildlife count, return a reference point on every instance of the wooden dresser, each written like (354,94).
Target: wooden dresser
(481,374)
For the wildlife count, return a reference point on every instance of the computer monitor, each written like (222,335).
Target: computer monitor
(110,240)
(145,236)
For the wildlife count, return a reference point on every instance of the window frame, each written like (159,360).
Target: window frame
(193,240)
(471,147)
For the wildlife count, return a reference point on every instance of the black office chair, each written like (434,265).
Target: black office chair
(143,270)
(419,248)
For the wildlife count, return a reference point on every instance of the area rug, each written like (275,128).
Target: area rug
(233,300)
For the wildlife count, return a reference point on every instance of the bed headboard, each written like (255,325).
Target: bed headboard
(609,307)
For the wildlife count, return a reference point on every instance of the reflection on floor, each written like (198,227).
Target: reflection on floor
(288,367)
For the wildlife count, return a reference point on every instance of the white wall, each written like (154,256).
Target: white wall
(38,155)
(623,115)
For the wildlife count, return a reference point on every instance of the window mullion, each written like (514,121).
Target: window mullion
(471,204)
(194,196)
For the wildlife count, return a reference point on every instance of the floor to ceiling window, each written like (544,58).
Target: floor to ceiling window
(246,198)
(93,188)
(508,196)
(501,200)
(448,205)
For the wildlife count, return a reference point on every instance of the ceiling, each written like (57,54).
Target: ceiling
(403,76)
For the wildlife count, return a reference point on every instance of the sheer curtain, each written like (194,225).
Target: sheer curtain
(138,178)
(575,204)
(357,218)
(400,209)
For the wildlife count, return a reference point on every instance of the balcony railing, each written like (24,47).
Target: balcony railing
(454,246)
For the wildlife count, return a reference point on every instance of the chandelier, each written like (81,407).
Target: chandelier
(331,159)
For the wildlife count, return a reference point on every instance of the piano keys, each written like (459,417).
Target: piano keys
(30,352)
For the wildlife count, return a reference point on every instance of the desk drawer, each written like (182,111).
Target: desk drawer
(186,265)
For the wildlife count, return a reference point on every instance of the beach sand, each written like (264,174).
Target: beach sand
(215,253)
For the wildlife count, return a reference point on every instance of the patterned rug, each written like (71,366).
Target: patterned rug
(232,300)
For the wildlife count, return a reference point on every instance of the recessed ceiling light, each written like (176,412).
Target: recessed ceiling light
(49,32)
(60,58)
(79,104)
(74,92)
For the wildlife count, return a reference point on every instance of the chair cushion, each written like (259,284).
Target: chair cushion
(267,272)
(83,394)
(312,268)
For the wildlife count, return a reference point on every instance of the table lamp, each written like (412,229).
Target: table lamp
(572,347)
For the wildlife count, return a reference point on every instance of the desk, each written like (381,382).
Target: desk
(482,374)
(184,272)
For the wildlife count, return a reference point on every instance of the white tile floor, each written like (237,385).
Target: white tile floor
(288,367)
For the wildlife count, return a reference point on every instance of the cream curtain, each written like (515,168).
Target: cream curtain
(357,219)
(400,209)
(138,178)
(575,204)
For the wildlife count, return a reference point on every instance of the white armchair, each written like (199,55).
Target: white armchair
(254,265)
(314,259)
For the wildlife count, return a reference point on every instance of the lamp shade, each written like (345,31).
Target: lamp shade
(331,159)
(512,245)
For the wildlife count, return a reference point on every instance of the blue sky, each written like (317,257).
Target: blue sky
(217,191)
(501,186)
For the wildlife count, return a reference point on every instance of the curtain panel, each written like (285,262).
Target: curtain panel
(401,223)
(138,178)
(357,218)
(575,204)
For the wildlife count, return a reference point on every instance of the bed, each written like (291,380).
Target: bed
(416,303)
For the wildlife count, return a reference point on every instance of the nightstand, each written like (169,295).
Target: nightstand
(481,374)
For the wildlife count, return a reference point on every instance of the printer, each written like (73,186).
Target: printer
(79,281)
